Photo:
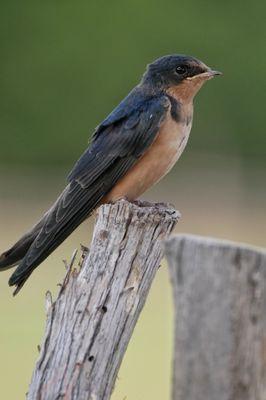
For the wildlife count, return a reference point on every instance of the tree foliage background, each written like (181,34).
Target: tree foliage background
(65,65)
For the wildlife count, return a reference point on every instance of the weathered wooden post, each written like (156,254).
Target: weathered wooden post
(90,324)
(220,319)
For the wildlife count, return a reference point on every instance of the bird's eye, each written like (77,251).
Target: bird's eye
(181,69)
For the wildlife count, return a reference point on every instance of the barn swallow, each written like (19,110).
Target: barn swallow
(131,150)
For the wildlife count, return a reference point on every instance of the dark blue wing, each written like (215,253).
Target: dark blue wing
(128,130)
(131,102)
(113,152)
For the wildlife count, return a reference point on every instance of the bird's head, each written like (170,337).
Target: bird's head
(179,73)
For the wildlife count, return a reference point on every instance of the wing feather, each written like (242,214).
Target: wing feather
(111,155)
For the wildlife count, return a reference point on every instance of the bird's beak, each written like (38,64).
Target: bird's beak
(209,74)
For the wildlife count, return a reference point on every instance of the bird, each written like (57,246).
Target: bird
(134,147)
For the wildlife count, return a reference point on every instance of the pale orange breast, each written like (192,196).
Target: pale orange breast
(155,163)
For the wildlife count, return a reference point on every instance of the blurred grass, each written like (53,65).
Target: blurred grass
(64,66)
(215,198)
(23,317)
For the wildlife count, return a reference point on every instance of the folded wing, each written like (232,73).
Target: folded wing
(112,153)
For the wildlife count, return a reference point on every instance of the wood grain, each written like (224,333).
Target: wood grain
(220,319)
(90,324)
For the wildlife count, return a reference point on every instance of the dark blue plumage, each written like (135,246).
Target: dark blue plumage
(120,140)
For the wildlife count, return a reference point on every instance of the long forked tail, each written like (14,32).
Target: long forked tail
(71,208)
(17,252)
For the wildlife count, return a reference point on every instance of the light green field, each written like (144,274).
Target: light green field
(216,198)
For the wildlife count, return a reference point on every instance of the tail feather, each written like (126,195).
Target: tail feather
(17,252)
(72,207)
(23,271)
(55,229)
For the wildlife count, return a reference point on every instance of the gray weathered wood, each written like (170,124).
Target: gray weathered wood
(220,319)
(89,326)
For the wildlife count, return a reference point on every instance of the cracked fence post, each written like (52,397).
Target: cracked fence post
(220,319)
(90,324)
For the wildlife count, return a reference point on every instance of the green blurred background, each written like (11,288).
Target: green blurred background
(64,66)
